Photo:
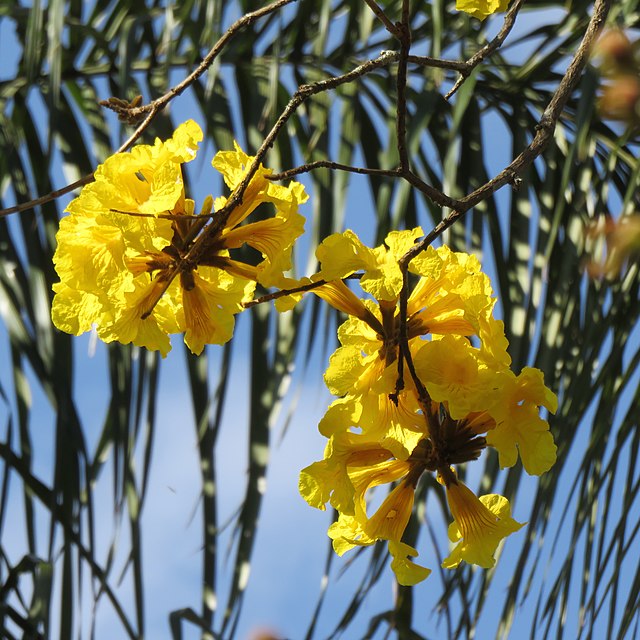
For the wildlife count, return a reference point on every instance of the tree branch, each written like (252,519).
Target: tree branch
(544,132)
(466,68)
(131,113)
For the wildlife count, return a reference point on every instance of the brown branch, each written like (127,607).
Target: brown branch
(439,63)
(310,286)
(336,166)
(404,35)
(283,292)
(303,93)
(151,110)
(544,132)
(431,192)
(467,67)
(53,195)
(245,21)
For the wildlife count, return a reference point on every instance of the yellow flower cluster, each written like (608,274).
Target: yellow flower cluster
(463,398)
(419,389)
(138,264)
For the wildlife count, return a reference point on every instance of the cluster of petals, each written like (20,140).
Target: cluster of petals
(467,398)
(137,262)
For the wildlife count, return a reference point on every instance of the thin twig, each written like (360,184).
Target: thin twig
(544,133)
(467,67)
(336,166)
(303,93)
(153,108)
(435,195)
(439,63)
(404,35)
(245,21)
(310,286)
(53,195)
(200,247)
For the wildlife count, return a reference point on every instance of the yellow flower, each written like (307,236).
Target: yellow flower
(382,432)
(346,533)
(479,525)
(137,263)
(338,478)
(481,8)
(519,428)
(132,323)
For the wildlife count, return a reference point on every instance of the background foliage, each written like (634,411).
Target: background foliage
(575,572)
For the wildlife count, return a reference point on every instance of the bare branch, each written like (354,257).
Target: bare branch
(303,93)
(131,112)
(245,21)
(310,286)
(544,132)
(404,29)
(488,49)
(335,166)
(439,63)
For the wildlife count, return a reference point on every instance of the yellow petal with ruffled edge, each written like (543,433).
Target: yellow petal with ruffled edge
(316,484)
(341,254)
(341,415)
(350,372)
(233,165)
(346,533)
(74,311)
(479,524)
(349,461)
(102,236)
(274,238)
(90,256)
(452,373)
(398,427)
(144,319)
(407,572)
(519,428)
(383,280)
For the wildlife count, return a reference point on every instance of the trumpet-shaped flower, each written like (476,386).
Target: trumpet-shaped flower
(479,525)
(341,254)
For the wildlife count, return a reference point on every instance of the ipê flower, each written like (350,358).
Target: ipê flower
(479,524)
(137,263)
